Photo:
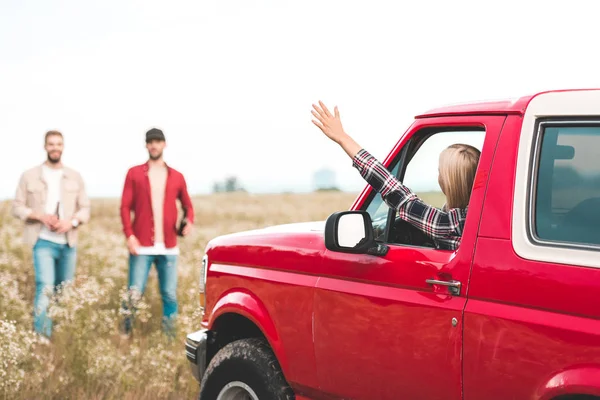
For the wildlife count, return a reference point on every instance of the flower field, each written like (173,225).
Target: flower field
(87,358)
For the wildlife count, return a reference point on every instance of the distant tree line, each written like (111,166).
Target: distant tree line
(328,189)
(229,184)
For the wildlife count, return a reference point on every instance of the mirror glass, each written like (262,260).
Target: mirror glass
(351,230)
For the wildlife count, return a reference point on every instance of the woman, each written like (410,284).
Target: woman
(457,168)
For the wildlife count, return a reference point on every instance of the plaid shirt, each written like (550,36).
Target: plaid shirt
(444,227)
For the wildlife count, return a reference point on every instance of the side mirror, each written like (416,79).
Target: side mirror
(352,232)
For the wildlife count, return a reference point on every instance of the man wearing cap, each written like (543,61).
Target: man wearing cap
(151,192)
(51,201)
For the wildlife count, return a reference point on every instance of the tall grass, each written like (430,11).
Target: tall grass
(87,358)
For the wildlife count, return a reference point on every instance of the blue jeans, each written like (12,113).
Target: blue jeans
(139,268)
(54,264)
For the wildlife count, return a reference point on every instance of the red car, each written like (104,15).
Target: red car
(364,306)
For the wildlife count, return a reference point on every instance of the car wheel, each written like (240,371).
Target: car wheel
(245,370)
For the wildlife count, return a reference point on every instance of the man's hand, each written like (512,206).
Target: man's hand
(187,229)
(133,244)
(47,219)
(62,226)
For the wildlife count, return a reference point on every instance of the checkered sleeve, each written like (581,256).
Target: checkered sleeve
(436,223)
(392,191)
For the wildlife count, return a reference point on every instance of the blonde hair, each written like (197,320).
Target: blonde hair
(458,165)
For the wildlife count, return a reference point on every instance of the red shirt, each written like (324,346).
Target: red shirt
(136,198)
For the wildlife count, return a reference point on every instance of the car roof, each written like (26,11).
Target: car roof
(496,107)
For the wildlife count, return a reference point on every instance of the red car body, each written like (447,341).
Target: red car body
(523,324)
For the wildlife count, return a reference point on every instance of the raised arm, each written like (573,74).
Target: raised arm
(436,223)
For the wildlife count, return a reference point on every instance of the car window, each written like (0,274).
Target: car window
(421,176)
(378,210)
(567,185)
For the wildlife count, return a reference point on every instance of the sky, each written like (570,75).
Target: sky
(231,83)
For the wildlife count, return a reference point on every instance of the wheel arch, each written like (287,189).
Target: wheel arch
(576,383)
(240,314)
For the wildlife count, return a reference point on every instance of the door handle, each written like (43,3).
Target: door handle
(453,286)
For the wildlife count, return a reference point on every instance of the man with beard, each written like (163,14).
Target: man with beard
(52,202)
(151,191)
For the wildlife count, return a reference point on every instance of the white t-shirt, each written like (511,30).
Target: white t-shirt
(158,249)
(158,182)
(53,178)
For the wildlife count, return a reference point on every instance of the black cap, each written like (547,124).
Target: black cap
(154,134)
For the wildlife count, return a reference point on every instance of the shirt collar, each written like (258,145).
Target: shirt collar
(67,172)
(146,167)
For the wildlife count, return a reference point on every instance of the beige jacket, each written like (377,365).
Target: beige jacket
(31,197)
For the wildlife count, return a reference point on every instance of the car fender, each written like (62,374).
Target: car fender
(575,380)
(246,304)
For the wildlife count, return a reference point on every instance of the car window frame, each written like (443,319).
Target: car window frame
(403,159)
(534,168)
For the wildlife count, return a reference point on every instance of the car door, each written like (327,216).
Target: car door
(382,328)
(532,323)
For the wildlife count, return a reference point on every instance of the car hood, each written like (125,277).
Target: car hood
(283,229)
(272,246)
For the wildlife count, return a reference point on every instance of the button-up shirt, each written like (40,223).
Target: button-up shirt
(31,197)
(137,198)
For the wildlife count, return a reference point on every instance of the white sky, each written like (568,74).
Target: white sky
(225,79)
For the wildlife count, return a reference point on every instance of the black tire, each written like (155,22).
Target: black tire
(250,361)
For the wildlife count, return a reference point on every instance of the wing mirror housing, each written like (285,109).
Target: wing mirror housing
(352,232)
